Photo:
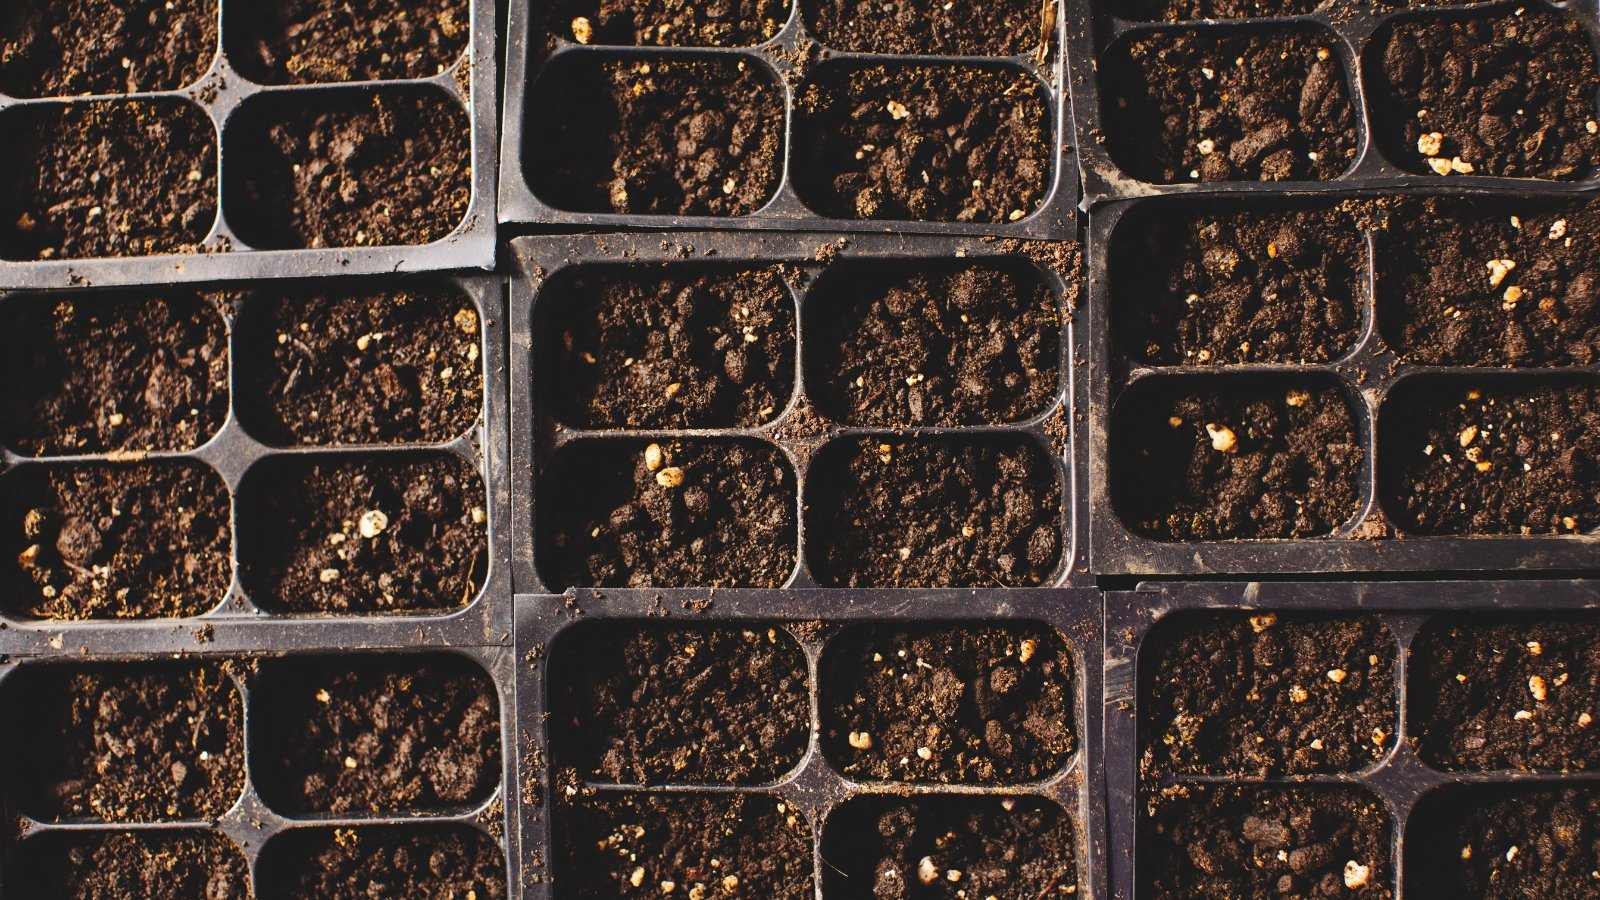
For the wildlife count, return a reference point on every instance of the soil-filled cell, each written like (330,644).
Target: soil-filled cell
(433,861)
(165,864)
(307,41)
(67,48)
(1504,843)
(667,23)
(1186,10)
(1005,28)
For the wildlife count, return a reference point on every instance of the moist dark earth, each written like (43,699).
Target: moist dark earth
(443,861)
(668,23)
(298,41)
(641,705)
(968,345)
(1262,119)
(72,47)
(926,142)
(1005,28)
(1183,10)
(100,541)
(164,864)
(134,372)
(1504,844)
(669,348)
(1510,94)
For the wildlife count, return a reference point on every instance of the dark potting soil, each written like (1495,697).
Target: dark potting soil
(160,864)
(1509,94)
(133,373)
(432,861)
(356,168)
(948,703)
(125,743)
(1250,286)
(1504,843)
(107,178)
(1005,28)
(656,136)
(644,705)
(1273,457)
(1184,10)
(1168,120)
(973,344)
(67,48)
(375,534)
(100,541)
(1264,695)
(1502,457)
(1266,841)
(669,348)
(385,366)
(936,143)
(1507,694)
(668,23)
(891,511)
(697,513)
(298,41)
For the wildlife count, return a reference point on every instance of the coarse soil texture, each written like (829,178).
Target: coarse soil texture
(1185,10)
(125,743)
(435,861)
(890,511)
(358,168)
(163,864)
(668,348)
(403,363)
(948,703)
(107,178)
(712,513)
(1265,696)
(1266,841)
(1507,694)
(1245,458)
(1180,106)
(135,373)
(973,344)
(1504,843)
(934,143)
(1006,28)
(103,541)
(1510,94)
(300,41)
(378,534)
(668,23)
(667,136)
(1496,457)
(1243,286)
(66,48)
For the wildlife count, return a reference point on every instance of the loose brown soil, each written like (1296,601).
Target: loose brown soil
(1247,286)
(121,743)
(443,861)
(71,47)
(299,41)
(1497,457)
(1184,10)
(306,522)
(656,136)
(949,704)
(1260,119)
(948,345)
(1509,94)
(668,23)
(356,168)
(1507,694)
(99,541)
(687,706)
(709,514)
(107,178)
(935,512)
(1263,695)
(151,864)
(925,142)
(1502,844)
(129,372)
(1006,28)
(397,364)
(669,348)
(1267,457)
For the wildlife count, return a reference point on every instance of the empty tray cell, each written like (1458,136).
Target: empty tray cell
(1502,284)
(1006,28)
(1243,285)
(667,347)
(928,142)
(125,742)
(133,373)
(1507,694)
(107,178)
(365,534)
(1503,842)
(348,168)
(1242,457)
(657,135)
(1266,840)
(1491,456)
(703,513)
(892,511)
(66,48)
(446,861)
(164,864)
(667,23)
(102,541)
(1186,10)
(378,365)
(948,703)
(636,844)
(303,41)
(936,344)
(1180,106)
(1265,695)
(1511,94)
